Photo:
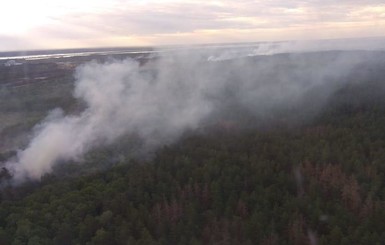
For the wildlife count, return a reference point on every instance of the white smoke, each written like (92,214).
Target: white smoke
(156,104)
(228,52)
(158,101)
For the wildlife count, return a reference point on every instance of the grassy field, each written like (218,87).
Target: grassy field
(24,106)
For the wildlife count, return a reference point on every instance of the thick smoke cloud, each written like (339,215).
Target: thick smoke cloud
(158,101)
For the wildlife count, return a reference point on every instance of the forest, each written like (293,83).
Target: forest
(320,181)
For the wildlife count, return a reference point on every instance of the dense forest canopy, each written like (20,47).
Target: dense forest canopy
(289,177)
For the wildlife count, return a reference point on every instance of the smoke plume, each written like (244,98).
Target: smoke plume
(158,101)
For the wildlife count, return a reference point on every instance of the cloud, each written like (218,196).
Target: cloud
(11,42)
(134,22)
(187,16)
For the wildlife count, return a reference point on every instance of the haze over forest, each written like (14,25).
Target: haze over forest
(192,122)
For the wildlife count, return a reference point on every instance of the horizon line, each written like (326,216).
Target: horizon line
(184,45)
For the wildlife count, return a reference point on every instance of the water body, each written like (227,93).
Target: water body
(214,52)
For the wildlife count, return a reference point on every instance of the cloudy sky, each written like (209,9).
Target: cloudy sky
(47,24)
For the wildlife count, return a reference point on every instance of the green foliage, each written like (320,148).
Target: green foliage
(287,184)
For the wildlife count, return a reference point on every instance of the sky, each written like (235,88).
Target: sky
(54,24)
